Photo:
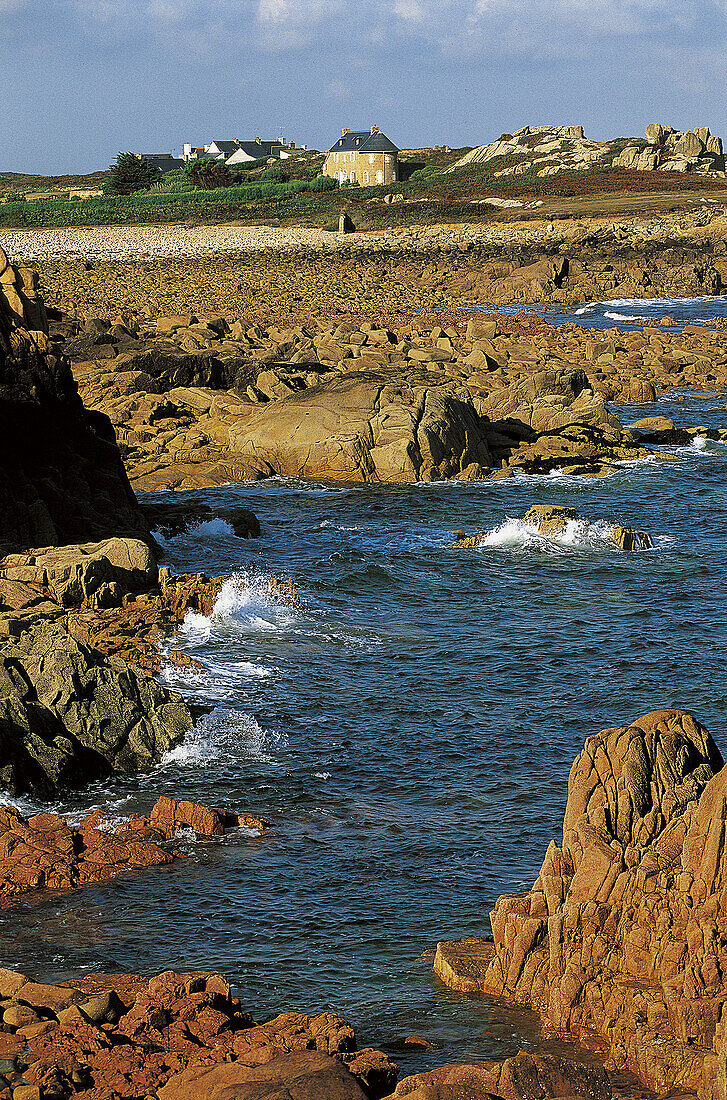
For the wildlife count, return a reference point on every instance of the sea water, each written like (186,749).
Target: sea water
(407,730)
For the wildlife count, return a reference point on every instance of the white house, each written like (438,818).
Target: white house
(239,152)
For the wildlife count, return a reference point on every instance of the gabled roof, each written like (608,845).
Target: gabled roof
(257,149)
(164,162)
(363,141)
(226,146)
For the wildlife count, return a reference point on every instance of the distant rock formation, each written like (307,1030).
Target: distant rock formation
(61,475)
(623,934)
(670,150)
(548,150)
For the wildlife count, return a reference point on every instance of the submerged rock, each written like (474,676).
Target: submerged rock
(46,852)
(554,522)
(623,933)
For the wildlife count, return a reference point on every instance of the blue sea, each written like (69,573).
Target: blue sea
(408,730)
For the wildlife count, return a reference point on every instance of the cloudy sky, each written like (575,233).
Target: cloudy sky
(82,79)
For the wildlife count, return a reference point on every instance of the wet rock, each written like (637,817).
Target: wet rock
(519,1078)
(619,935)
(45,852)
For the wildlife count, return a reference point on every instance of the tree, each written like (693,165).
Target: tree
(210,174)
(130,172)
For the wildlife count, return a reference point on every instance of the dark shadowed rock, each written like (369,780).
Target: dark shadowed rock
(61,476)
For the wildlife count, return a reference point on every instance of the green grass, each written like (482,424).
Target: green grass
(223,204)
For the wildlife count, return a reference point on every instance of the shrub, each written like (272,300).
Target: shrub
(130,173)
(209,175)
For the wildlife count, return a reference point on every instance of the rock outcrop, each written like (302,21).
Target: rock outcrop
(364,404)
(61,476)
(558,523)
(622,938)
(548,150)
(524,1076)
(69,715)
(174,1036)
(45,852)
(670,150)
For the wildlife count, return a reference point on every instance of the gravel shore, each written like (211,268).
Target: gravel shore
(112,241)
(180,241)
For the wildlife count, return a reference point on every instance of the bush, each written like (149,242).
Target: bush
(130,173)
(209,175)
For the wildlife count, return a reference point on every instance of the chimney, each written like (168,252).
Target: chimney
(375,130)
(344,132)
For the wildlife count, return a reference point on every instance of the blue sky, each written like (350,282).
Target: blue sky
(81,80)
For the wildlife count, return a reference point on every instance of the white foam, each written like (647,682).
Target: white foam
(215,528)
(224,736)
(699,443)
(577,535)
(244,603)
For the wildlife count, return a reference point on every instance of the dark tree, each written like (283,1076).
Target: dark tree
(210,174)
(130,173)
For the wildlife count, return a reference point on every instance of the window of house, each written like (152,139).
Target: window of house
(366,177)
(371,158)
(379,177)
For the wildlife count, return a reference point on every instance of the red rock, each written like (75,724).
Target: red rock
(624,934)
(308,1076)
(520,1078)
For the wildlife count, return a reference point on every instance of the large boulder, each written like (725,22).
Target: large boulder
(68,715)
(73,575)
(519,1078)
(61,475)
(305,1076)
(623,933)
(361,427)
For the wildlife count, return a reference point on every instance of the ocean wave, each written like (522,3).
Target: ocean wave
(578,534)
(225,736)
(245,603)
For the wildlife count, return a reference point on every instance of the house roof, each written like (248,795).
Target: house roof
(227,146)
(164,162)
(257,149)
(363,141)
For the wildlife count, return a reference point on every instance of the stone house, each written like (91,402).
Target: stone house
(367,157)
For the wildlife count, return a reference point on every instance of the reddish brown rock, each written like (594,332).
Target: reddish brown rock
(623,934)
(122,1037)
(310,1076)
(45,852)
(524,1077)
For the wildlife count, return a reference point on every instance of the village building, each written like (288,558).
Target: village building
(239,152)
(367,157)
(163,162)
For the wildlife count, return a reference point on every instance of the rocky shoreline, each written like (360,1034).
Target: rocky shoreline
(287,276)
(619,944)
(621,940)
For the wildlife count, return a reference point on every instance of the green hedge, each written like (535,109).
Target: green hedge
(153,206)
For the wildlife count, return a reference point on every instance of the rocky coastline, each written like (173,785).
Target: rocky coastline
(618,945)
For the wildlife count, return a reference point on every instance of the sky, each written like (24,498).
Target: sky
(81,80)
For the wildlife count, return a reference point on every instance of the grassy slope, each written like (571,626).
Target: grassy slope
(441,196)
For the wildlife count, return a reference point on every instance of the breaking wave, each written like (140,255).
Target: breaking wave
(578,534)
